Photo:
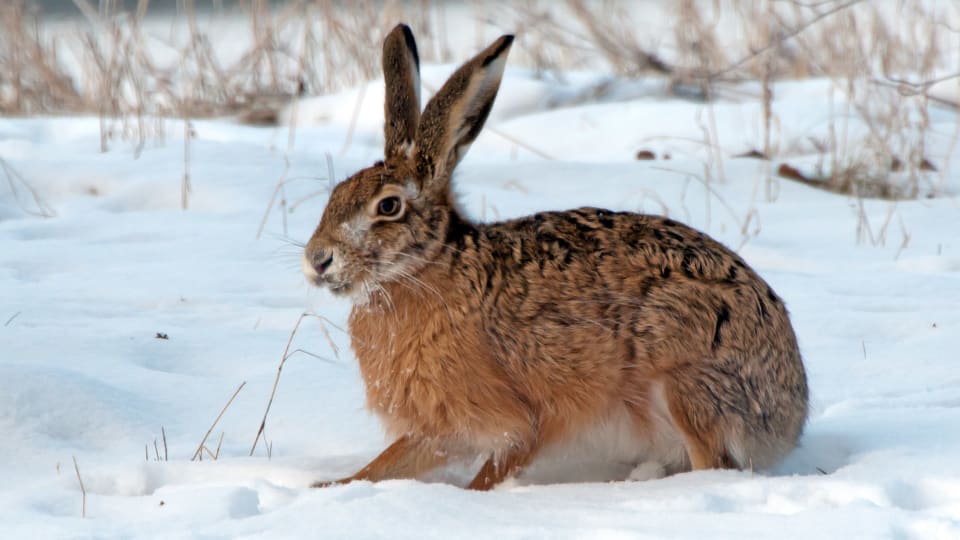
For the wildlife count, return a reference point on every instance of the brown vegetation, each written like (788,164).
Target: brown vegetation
(884,60)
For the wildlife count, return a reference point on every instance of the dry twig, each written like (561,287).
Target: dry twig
(83,490)
(287,353)
(200,448)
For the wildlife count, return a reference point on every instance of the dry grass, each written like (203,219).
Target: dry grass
(883,57)
(203,442)
(24,195)
(127,73)
(125,69)
(287,353)
(33,78)
(83,490)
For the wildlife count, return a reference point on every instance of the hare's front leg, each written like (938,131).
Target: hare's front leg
(499,468)
(407,457)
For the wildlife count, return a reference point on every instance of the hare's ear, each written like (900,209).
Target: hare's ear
(454,116)
(401,108)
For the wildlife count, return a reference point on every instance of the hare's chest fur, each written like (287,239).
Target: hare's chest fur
(429,376)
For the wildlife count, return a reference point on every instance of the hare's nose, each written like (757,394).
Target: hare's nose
(321,262)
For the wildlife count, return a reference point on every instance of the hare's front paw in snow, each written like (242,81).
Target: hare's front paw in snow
(648,470)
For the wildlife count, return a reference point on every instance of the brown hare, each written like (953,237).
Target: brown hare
(500,340)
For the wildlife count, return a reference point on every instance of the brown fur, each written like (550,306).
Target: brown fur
(500,339)
(402,98)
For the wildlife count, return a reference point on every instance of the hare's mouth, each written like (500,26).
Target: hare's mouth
(326,280)
(339,289)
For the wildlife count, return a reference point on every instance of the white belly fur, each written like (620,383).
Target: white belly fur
(613,448)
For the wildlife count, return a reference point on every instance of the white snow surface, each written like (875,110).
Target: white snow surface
(85,292)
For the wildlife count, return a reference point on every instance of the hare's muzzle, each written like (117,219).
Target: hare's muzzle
(316,264)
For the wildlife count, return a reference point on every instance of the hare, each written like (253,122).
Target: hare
(500,340)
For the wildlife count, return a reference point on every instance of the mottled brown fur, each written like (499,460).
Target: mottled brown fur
(500,339)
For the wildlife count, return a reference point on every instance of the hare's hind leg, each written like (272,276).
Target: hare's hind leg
(705,410)
(407,457)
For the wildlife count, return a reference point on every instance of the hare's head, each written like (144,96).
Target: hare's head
(388,220)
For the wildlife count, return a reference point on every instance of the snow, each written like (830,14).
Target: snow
(873,288)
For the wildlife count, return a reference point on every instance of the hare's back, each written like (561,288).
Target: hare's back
(643,284)
(580,244)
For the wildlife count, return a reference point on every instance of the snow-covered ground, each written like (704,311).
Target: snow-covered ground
(122,315)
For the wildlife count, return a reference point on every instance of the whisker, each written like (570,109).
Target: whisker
(286,240)
(420,282)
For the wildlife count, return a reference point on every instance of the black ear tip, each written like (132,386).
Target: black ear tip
(499,47)
(407,32)
(411,43)
(403,30)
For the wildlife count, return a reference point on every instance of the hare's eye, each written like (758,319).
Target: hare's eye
(389,206)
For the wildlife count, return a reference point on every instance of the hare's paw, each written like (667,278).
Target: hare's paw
(648,470)
(330,483)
